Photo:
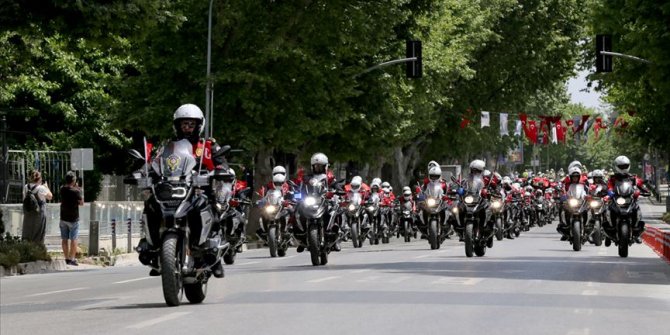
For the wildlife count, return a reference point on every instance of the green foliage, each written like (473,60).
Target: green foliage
(638,28)
(13,251)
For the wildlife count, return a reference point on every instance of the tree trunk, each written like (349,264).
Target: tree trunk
(406,160)
(263,162)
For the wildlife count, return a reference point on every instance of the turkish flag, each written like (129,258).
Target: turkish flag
(560,131)
(532,132)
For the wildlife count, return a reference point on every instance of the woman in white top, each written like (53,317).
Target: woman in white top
(35,223)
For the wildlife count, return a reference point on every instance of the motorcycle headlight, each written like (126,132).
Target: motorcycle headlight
(271,209)
(310,201)
(469,199)
(352,207)
(431,202)
(539,206)
(406,212)
(573,202)
(371,208)
(496,204)
(454,210)
(621,201)
(595,204)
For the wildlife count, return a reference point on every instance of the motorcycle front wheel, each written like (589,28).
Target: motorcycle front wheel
(354,235)
(576,235)
(433,235)
(408,230)
(597,234)
(469,239)
(314,244)
(499,229)
(624,236)
(272,240)
(171,270)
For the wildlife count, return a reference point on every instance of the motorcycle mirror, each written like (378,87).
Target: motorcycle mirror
(136,154)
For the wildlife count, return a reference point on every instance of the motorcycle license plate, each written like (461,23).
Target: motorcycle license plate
(297,196)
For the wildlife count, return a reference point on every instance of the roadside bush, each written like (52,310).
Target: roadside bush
(666,217)
(13,251)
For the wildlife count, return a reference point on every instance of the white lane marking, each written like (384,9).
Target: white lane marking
(592,284)
(322,279)
(287,257)
(59,291)
(368,279)
(248,263)
(442,251)
(590,292)
(584,311)
(457,281)
(360,271)
(132,280)
(423,256)
(163,318)
(583,331)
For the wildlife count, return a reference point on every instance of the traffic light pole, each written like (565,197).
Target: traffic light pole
(391,62)
(616,54)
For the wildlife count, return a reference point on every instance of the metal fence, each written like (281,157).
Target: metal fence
(52,164)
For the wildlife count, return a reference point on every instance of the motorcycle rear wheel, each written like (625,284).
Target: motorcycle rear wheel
(171,270)
(597,234)
(624,235)
(576,235)
(272,240)
(469,239)
(195,293)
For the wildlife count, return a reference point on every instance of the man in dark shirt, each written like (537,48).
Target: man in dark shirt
(71,199)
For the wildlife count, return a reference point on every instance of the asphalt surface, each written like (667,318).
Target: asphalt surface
(534,284)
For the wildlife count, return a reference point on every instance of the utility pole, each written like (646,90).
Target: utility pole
(208,90)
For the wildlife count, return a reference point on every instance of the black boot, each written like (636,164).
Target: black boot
(336,247)
(154,273)
(217,270)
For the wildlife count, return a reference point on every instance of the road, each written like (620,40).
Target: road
(534,284)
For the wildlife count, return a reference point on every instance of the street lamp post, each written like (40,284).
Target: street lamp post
(208,89)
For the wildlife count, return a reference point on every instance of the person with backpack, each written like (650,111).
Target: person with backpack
(36,193)
(71,199)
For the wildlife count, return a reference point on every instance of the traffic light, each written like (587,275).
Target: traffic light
(603,62)
(414,69)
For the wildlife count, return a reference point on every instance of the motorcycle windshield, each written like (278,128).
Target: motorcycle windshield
(624,188)
(315,186)
(374,198)
(223,191)
(577,191)
(434,190)
(175,159)
(274,197)
(474,185)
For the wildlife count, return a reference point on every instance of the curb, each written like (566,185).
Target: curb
(659,241)
(34,267)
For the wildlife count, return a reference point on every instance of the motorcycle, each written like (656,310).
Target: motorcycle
(320,236)
(623,205)
(434,214)
(275,216)
(497,215)
(539,207)
(598,212)
(475,215)
(353,214)
(373,220)
(189,242)
(233,216)
(578,231)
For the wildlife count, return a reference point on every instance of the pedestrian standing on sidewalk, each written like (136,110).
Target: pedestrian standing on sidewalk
(71,199)
(34,217)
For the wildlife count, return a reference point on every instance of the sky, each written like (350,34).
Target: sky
(575,87)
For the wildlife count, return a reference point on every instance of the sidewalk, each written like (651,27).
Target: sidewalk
(657,234)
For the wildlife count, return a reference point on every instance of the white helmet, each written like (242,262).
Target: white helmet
(386,187)
(356,182)
(279,170)
(575,170)
(406,191)
(573,164)
(478,165)
(598,174)
(319,163)
(622,164)
(486,173)
(376,182)
(278,179)
(434,173)
(188,111)
(432,163)
(506,180)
